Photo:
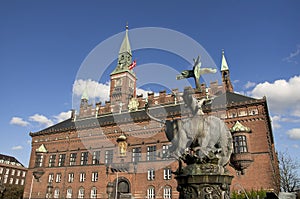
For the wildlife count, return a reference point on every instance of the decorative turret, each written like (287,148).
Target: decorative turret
(225,74)
(123,80)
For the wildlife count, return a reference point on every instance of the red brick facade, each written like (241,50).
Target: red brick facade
(125,148)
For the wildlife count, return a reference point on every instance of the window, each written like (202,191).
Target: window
(61,160)
(18,173)
(240,144)
(167,174)
(109,156)
(167,192)
(22,181)
(151,153)
(1,170)
(11,180)
(151,192)
(5,178)
(136,154)
(73,159)
(23,174)
(151,174)
(94,192)
(96,157)
(69,193)
(52,160)
(81,192)
(56,193)
(82,177)
(253,111)
(94,176)
(71,177)
(13,172)
(58,178)
(123,187)
(84,158)
(50,177)
(165,151)
(39,160)
(17,181)
(242,113)
(7,171)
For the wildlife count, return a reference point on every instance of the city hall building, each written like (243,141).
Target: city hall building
(114,150)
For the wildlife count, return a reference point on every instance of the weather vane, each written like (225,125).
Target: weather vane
(196,72)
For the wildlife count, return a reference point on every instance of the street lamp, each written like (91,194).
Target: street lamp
(49,190)
(109,189)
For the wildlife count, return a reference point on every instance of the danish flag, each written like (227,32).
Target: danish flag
(132,65)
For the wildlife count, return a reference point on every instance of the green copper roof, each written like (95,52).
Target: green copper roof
(125,47)
(125,56)
(224,65)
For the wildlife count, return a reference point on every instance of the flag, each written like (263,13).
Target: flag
(132,65)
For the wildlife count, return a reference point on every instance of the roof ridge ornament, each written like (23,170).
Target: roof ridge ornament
(238,127)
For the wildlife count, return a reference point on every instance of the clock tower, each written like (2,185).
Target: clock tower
(122,79)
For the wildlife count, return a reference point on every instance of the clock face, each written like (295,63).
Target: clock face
(118,82)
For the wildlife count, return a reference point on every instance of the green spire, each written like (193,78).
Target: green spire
(125,56)
(125,47)
(224,65)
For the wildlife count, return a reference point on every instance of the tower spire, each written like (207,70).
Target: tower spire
(225,74)
(125,55)
(224,65)
(125,47)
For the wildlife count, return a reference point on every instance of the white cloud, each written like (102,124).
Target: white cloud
(275,121)
(142,91)
(62,116)
(294,133)
(249,85)
(95,90)
(291,57)
(41,119)
(18,121)
(296,146)
(282,95)
(19,147)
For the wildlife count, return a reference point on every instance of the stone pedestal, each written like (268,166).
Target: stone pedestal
(203,181)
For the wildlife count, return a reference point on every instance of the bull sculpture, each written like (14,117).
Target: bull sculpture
(197,138)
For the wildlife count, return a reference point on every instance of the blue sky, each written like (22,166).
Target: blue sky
(43,44)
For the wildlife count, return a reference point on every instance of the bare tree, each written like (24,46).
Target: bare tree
(289,178)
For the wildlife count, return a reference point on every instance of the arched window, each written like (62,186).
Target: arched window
(167,192)
(56,193)
(69,193)
(94,192)
(81,192)
(151,192)
(123,187)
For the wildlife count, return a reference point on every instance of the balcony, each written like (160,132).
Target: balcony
(241,161)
